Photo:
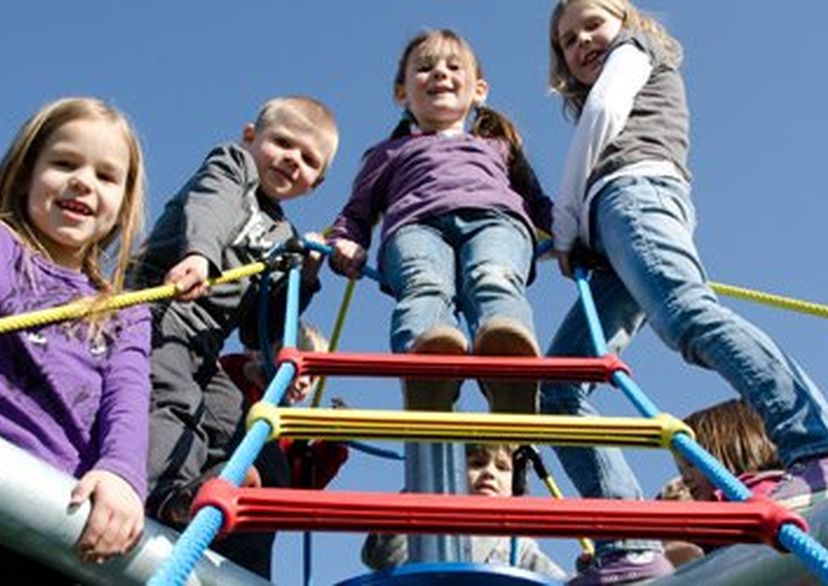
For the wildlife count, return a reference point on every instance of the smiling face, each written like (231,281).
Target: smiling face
(440,85)
(77,187)
(585,32)
(489,472)
(290,154)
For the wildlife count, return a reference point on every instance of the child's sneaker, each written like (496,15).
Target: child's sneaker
(623,567)
(804,485)
(502,336)
(431,394)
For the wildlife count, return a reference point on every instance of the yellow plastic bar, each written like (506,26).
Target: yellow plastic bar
(347,424)
(84,307)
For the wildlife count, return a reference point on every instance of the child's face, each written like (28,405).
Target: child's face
(698,484)
(440,86)
(290,157)
(585,31)
(489,473)
(77,187)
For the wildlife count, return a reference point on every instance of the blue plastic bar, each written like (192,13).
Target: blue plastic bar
(200,532)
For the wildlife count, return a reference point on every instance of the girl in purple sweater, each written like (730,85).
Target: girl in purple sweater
(76,393)
(459,210)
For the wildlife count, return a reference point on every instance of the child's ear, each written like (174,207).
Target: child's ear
(399,94)
(248,133)
(481,91)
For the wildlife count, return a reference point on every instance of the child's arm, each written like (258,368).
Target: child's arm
(118,480)
(213,204)
(351,232)
(604,115)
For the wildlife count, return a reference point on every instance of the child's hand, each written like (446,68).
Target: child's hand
(310,269)
(565,263)
(116,520)
(348,258)
(190,277)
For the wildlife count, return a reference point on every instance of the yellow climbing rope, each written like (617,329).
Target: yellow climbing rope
(83,307)
(789,303)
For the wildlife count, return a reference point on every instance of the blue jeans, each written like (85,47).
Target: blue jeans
(473,261)
(644,227)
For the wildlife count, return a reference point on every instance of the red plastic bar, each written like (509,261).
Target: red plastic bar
(268,509)
(448,366)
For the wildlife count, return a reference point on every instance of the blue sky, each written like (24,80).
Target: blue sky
(191,74)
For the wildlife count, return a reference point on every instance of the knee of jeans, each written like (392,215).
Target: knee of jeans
(494,277)
(681,323)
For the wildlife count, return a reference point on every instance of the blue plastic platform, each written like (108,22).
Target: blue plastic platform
(451,575)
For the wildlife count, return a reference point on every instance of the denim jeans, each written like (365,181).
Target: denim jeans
(644,227)
(472,261)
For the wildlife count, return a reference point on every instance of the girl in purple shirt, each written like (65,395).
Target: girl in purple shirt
(459,210)
(76,394)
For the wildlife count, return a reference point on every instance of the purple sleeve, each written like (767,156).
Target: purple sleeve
(124,412)
(368,199)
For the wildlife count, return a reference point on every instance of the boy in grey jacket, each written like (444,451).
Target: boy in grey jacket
(489,472)
(227,215)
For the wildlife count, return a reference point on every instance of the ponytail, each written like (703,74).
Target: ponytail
(491,124)
(403,127)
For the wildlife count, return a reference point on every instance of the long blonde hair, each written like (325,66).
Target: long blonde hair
(16,172)
(562,81)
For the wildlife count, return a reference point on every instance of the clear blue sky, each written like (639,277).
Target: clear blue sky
(191,74)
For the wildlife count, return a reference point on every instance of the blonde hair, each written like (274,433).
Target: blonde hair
(313,112)
(18,165)
(734,434)
(562,81)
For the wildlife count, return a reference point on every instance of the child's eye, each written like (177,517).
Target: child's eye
(594,23)
(63,163)
(107,177)
(282,142)
(311,161)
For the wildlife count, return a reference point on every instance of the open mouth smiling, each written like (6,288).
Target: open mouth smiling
(75,206)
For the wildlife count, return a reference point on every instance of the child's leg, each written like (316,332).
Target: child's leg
(178,445)
(495,258)
(645,227)
(598,472)
(419,268)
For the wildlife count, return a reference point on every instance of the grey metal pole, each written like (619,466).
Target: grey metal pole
(35,520)
(435,468)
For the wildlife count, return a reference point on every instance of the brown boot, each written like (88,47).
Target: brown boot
(435,394)
(501,336)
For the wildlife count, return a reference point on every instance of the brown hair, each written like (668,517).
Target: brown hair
(734,434)
(487,122)
(16,174)
(561,79)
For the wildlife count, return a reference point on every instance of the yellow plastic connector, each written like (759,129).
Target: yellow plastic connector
(270,414)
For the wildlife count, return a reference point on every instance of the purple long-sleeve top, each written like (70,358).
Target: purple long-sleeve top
(409,179)
(76,400)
